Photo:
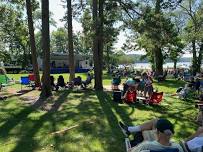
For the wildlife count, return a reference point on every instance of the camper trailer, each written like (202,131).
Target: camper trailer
(59,63)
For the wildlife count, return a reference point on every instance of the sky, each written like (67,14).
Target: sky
(58,11)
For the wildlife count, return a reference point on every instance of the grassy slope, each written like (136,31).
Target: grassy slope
(25,129)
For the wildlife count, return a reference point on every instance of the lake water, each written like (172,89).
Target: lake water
(166,65)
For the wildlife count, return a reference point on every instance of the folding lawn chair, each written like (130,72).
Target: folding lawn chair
(24,81)
(32,80)
(3,81)
(31,77)
(128,147)
(156,98)
(200,106)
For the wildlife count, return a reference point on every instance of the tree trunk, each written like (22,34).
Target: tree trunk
(96,49)
(158,57)
(32,43)
(24,58)
(107,59)
(175,65)
(70,42)
(101,41)
(46,85)
(194,59)
(199,64)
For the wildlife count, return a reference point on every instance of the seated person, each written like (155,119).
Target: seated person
(131,95)
(116,82)
(164,131)
(192,83)
(87,81)
(77,81)
(129,82)
(162,77)
(52,82)
(195,142)
(140,88)
(60,82)
(182,93)
(197,85)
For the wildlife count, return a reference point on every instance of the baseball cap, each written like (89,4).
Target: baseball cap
(165,126)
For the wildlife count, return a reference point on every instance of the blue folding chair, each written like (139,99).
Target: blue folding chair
(24,81)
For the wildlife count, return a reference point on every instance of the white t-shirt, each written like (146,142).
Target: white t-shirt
(154,145)
(196,144)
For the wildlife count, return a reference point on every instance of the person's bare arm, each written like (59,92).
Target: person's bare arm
(196,134)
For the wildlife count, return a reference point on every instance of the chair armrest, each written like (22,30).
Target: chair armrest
(127,144)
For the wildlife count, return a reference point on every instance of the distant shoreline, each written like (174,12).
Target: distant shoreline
(140,65)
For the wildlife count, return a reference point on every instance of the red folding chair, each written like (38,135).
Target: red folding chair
(156,98)
(131,97)
(31,77)
(32,80)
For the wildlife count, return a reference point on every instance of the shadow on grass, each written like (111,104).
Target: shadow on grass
(28,137)
(105,98)
(180,112)
(17,118)
(96,118)
(22,115)
(7,95)
(171,83)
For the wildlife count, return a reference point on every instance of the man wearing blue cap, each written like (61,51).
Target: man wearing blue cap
(164,131)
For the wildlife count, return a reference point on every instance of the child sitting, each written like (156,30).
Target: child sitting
(131,95)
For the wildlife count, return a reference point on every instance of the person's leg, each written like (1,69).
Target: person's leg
(57,87)
(150,91)
(145,91)
(127,130)
(149,125)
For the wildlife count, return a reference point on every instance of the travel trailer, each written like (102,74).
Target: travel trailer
(59,63)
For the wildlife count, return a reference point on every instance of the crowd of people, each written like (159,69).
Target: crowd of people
(75,82)
(142,84)
(161,129)
(133,86)
(191,87)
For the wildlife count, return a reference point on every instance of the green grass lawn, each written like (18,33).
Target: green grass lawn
(106,77)
(87,121)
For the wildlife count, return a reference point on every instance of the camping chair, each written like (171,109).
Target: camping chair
(128,147)
(32,79)
(200,106)
(131,97)
(86,83)
(3,81)
(156,98)
(24,81)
